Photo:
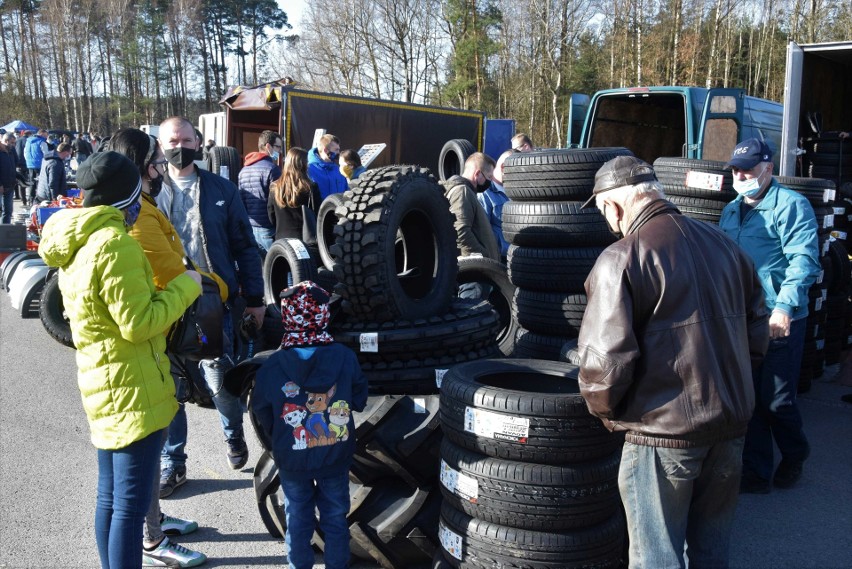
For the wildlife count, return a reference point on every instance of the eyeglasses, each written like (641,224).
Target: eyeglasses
(277,146)
(160,162)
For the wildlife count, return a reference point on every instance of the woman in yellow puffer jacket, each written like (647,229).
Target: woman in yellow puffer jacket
(118,319)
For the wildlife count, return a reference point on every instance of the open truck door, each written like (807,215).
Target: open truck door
(721,123)
(577,110)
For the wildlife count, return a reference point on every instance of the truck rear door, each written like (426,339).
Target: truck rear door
(721,122)
(792,109)
(577,110)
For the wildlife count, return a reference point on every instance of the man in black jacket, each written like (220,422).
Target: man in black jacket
(674,323)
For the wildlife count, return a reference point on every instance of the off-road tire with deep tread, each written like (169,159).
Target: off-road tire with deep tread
(495,274)
(404,200)
(554,224)
(552,269)
(486,545)
(530,496)
(52,312)
(286,257)
(555,174)
(539,404)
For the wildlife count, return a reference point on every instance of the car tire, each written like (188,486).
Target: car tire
(452,158)
(51,310)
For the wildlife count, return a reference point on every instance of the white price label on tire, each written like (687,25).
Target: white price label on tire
(450,541)
(704,181)
(496,426)
(369,342)
(439,377)
(828,195)
(459,483)
(828,221)
(819,278)
(300,249)
(818,304)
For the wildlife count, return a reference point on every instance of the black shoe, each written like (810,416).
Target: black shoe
(170,479)
(237,453)
(788,473)
(753,484)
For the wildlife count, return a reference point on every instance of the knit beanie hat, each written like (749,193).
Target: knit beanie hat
(305,314)
(109,178)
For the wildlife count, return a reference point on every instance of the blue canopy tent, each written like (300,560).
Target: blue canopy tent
(17,126)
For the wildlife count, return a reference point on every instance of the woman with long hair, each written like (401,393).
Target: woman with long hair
(289,193)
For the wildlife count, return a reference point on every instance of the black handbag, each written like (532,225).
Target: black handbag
(198,334)
(309,224)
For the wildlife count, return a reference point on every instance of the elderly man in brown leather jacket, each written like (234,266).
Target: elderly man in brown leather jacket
(675,321)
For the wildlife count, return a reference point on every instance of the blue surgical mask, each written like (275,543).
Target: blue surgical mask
(749,188)
(275,156)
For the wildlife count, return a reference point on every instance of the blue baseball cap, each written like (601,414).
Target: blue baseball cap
(748,154)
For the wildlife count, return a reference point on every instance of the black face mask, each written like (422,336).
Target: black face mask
(155,186)
(482,187)
(180,157)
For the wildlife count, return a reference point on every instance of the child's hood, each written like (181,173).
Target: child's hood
(310,370)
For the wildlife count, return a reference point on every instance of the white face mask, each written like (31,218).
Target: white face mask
(749,188)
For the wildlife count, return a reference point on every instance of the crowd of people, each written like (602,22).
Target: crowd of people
(693,358)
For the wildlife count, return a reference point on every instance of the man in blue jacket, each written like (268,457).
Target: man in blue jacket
(323,168)
(260,170)
(34,154)
(212,223)
(777,228)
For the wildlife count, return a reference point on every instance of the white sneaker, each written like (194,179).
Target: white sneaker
(169,554)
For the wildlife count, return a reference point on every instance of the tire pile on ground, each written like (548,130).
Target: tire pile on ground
(392,247)
(554,243)
(529,477)
(829,157)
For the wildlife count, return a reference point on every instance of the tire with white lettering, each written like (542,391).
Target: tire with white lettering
(531,496)
(552,269)
(477,544)
(287,262)
(818,191)
(468,325)
(52,312)
(225,156)
(523,410)
(555,174)
(494,274)
(552,313)
(687,177)
(452,157)
(327,219)
(388,205)
(554,224)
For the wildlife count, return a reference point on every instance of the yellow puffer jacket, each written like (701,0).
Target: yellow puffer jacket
(117,322)
(158,238)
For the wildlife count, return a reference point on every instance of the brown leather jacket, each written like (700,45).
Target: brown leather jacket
(675,321)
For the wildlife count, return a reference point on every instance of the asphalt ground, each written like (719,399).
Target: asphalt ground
(48,476)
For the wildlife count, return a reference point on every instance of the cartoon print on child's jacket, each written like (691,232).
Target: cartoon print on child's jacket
(338,417)
(317,430)
(293,415)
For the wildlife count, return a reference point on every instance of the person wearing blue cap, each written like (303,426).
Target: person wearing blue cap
(777,228)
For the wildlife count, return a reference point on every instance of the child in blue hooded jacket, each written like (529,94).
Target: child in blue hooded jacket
(303,399)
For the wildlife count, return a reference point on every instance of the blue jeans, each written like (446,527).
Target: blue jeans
(264,237)
(776,414)
(301,498)
(674,497)
(229,406)
(6,205)
(125,483)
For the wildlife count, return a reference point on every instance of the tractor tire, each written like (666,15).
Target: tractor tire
(452,158)
(522,410)
(225,156)
(554,224)
(392,204)
(530,496)
(690,178)
(489,271)
(555,174)
(51,310)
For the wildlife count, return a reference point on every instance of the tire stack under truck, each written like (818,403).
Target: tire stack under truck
(529,477)
(394,258)
(554,243)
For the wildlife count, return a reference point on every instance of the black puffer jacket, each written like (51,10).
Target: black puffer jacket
(674,323)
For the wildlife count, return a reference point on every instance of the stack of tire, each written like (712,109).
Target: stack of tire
(699,188)
(529,477)
(554,243)
(394,261)
(843,234)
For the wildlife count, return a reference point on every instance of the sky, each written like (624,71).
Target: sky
(294,10)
